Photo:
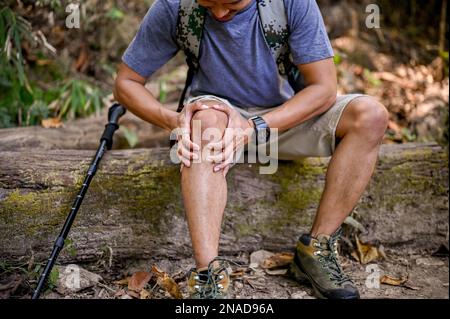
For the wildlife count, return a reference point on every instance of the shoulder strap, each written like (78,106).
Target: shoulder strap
(274,23)
(191,18)
(272,15)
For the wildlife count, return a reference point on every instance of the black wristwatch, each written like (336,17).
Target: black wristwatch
(262,130)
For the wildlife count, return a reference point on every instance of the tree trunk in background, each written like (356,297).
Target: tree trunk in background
(84,134)
(134,210)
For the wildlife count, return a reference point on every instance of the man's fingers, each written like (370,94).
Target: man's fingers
(186,142)
(225,170)
(216,146)
(223,108)
(222,156)
(192,108)
(186,153)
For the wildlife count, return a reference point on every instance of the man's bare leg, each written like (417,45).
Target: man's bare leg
(205,192)
(361,130)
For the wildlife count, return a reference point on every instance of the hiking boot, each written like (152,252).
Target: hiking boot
(316,261)
(211,282)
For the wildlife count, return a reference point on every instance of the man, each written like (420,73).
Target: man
(237,80)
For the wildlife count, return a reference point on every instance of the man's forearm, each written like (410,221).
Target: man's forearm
(310,102)
(139,101)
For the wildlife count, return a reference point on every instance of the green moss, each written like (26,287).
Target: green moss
(299,187)
(144,193)
(409,184)
(23,208)
(295,202)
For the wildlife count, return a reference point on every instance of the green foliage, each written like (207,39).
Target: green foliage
(444,57)
(115,14)
(15,90)
(53,4)
(370,78)
(337,58)
(24,102)
(70,248)
(162,91)
(76,98)
(131,136)
(53,278)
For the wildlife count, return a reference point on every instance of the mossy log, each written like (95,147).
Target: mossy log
(133,208)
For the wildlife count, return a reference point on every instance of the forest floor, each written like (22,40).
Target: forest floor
(404,274)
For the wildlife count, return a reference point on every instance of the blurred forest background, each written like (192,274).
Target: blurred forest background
(51,74)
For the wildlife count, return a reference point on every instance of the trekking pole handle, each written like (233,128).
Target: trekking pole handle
(114,114)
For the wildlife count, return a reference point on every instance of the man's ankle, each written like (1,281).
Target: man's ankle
(204,262)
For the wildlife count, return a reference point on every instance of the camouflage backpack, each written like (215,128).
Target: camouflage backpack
(273,21)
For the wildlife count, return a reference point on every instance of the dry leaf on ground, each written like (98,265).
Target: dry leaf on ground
(51,123)
(122,282)
(144,294)
(388,280)
(138,281)
(278,261)
(276,272)
(366,253)
(165,281)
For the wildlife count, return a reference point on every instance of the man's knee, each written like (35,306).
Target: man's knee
(209,125)
(370,118)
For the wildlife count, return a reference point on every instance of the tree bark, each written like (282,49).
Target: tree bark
(133,207)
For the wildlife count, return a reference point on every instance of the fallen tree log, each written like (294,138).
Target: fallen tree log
(133,208)
(84,134)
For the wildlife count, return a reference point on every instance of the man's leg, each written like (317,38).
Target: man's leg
(205,192)
(360,130)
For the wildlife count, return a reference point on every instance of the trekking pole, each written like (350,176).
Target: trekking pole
(106,141)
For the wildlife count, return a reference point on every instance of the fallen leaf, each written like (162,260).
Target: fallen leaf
(277,261)
(276,272)
(388,280)
(355,255)
(120,293)
(238,273)
(122,282)
(51,123)
(144,294)
(138,280)
(133,294)
(165,281)
(366,252)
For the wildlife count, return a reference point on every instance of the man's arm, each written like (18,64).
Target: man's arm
(318,96)
(130,91)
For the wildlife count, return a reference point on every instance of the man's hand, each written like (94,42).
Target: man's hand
(236,136)
(187,150)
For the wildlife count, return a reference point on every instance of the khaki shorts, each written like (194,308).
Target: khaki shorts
(313,138)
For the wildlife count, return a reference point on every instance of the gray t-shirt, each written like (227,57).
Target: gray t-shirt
(235,61)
